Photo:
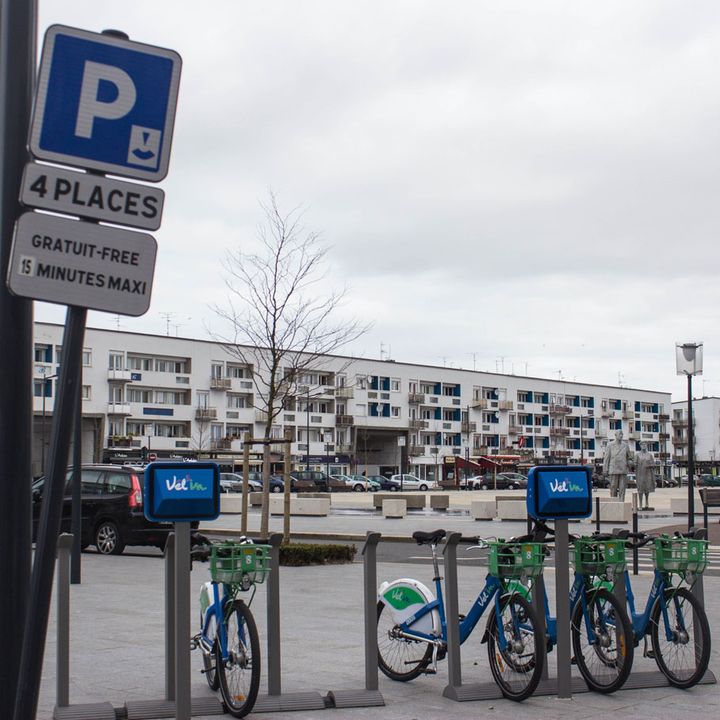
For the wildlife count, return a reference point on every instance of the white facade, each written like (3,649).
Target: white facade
(706,415)
(178,396)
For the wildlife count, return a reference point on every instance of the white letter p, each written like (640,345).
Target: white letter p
(91,107)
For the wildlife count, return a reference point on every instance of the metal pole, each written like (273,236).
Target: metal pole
(76,516)
(287,465)
(634,529)
(62,684)
(42,429)
(369,553)
(307,424)
(38,600)
(562,608)
(597,514)
(246,476)
(182,621)
(691,459)
(170,617)
(273,616)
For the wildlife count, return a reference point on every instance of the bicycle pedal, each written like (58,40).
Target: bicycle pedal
(573,661)
(649,654)
(429,671)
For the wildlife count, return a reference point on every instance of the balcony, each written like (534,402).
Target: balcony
(561,453)
(480,404)
(416,398)
(514,429)
(416,424)
(119,375)
(559,432)
(634,435)
(261,416)
(662,417)
(679,441)
(679,423)
(416,450)
(506,405)
(123,441)
(664,436)
(205,413)
(344,393)
(119,408)
(664,456)
(468,427)
(559,409)
(481,449)
(221,444)
(344,420)
(343,448)
(220,383)
(628,414)
(606,412)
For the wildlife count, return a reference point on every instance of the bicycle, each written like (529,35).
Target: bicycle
(673,617)
(228,636)
(412,628)
(601,631)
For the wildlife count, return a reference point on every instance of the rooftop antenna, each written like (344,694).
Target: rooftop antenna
(473,355)
(168,316)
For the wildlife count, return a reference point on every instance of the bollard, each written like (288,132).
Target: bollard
(64,548)
(452,614)
(597,514)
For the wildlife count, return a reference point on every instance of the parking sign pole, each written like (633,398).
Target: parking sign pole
(38,605)
(17,63)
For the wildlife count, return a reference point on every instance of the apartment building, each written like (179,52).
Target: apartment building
(179,397)
(706,430)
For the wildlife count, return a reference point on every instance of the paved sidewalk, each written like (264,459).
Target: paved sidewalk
(117,647)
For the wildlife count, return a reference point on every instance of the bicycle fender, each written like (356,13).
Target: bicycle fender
(405,597)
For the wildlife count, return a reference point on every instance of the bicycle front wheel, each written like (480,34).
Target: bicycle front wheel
(516,658)
(602,641)
(399,658)
(209,657)
(683,656)
(239,672)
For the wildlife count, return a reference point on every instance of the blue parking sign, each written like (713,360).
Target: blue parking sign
(105,103)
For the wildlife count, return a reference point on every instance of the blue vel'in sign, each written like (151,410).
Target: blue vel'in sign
(559,491)
(182,491)
(105,103)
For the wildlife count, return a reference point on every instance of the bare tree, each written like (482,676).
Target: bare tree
(280,325)
(201,436)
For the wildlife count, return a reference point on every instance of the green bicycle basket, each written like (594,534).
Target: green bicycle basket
(680,555)
(516,560)
(597,557)
(230,562)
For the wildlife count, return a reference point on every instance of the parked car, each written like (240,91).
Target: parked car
(516,477)
(357,483)
(410,482)
(385,483)
(111,509)
(374,483)
(255,479)
(312,480)
(499,481)
(710,480)
(232,482)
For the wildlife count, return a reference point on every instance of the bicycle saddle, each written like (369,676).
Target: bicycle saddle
(428,538)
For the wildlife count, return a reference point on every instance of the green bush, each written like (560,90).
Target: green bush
(297,554)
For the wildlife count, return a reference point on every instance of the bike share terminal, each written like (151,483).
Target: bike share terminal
(182,493)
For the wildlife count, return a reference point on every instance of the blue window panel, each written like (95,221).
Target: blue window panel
(494,418)
(529,442)
(438,438)
(545,420)
(158,411)
(438,413)
(456,415)
(656,427)
(656,408)
(493,441)
(386,410)
(374,382)
(617,405)
(637,425)
(576,401)
(637,406)
(48,354)
(546,443)
(437,390)
(530,396)
(456,391)
(494,394)
(591,423)
(656,447)
(591,402)
(386,384)
(456,440)
(591,444)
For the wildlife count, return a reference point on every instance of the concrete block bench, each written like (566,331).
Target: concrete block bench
(315,507)
(679,506)
(613,510)
(231,503)
(394,507)
(483,510)
(413,502)
(255,499)
(511,510)
(439,502)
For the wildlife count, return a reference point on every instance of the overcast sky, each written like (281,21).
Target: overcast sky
(522,186)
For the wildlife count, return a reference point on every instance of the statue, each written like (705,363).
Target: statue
(645,474)
(616,464)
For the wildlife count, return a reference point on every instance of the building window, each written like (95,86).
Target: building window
(216,371)
(395,384)
(137,362)
(235,401)
(86,392)
(116,361)
(87,358)
(43,353)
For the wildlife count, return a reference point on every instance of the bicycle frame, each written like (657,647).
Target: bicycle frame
(215,610)
(641,620)
(493,588)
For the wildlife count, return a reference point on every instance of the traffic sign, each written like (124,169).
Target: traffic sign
(92,196)
(70,262)
(105,103)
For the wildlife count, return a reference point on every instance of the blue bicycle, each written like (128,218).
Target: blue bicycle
(228,636)
(412,629)
(673,617)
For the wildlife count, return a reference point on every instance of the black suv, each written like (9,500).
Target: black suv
(112,509)
(309,480)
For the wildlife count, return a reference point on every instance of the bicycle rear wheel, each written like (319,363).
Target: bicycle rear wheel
(398,657)
(606,660)
(516,668)
(683,658)
(239,673)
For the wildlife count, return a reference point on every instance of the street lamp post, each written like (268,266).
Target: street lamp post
(689,362)
(45,377)
(307,428)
